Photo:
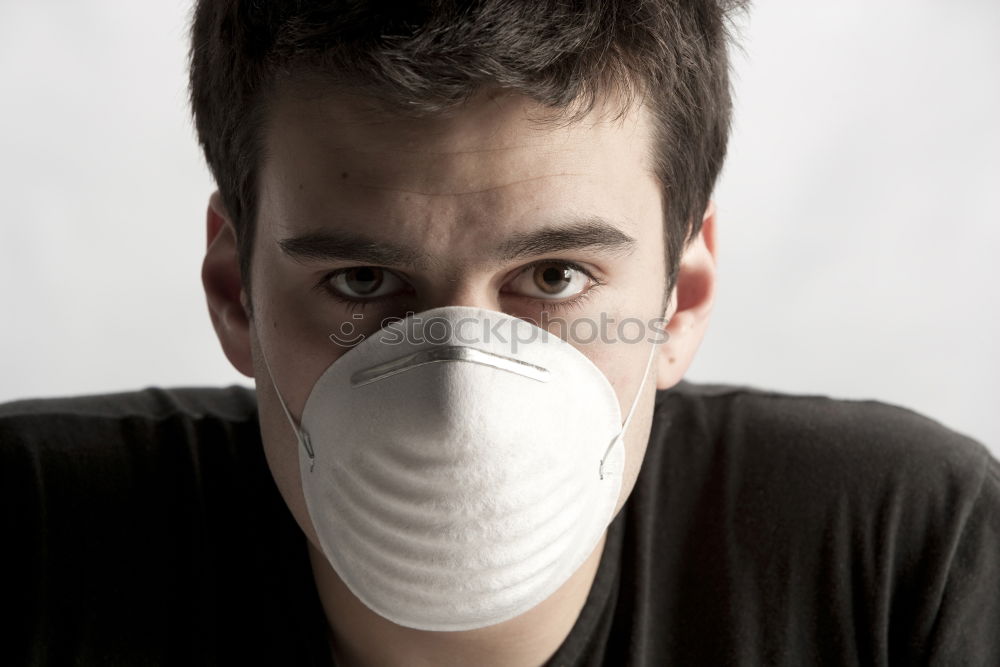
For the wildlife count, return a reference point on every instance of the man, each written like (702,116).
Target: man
(495,494)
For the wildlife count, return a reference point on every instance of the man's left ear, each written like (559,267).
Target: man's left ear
(691,304)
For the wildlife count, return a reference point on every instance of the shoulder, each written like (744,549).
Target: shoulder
(75,456)
(84,447)
(132,451)
(860,481)
(128,514)
(859,515)
(104,424)
(153,403)
(822,441)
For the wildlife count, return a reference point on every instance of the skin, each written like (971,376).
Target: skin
(453,188)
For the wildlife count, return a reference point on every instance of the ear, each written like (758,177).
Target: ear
(691,302)
(220,275)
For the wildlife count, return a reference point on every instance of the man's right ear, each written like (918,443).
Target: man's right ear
(220,275)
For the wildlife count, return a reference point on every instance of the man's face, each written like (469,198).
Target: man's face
(365,216)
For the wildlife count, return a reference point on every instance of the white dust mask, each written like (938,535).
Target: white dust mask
(460,465)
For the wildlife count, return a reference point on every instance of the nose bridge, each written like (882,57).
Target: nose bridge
(461,287)
(474,300)
(459,236)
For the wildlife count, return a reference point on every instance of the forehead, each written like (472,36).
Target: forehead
(496,162)
(492,117)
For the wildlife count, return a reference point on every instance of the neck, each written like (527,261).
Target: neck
(360,637)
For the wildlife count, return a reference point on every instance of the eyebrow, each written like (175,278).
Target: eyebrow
(588,233)
(333,246)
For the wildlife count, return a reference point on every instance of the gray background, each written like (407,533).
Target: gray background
(858,210)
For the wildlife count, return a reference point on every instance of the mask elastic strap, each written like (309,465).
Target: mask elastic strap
(631,410)
(301,436)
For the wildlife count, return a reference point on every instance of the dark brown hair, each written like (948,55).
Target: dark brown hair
(428,56)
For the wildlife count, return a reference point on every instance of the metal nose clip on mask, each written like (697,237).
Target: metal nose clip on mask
(460,465)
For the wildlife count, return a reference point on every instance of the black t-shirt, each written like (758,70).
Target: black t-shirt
(764,529)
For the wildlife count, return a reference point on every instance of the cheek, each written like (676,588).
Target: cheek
(300,341)
(297,357)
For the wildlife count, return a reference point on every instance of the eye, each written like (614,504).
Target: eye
(364,282)
(551,280)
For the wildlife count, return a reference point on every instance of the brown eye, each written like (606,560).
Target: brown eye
(552,278)
(361,282)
